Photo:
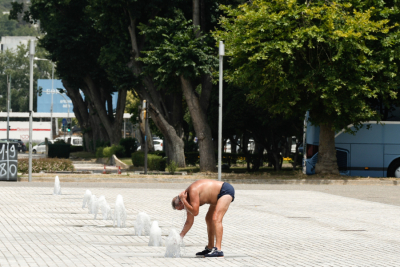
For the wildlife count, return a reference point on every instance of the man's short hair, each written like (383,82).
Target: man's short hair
(175,202)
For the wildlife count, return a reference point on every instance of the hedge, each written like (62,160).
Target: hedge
(99,152)
(59,150)
(45,165)
(154,162)
(107,152)
(116,150)
(138,158)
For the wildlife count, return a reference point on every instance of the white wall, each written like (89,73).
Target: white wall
(20,130)
(11,42)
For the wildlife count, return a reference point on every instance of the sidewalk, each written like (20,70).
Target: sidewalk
(261,228)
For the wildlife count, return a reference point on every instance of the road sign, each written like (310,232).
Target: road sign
(69,120)
(64,121)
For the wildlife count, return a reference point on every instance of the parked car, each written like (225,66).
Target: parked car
(40,148)
(158,145)
(250,146)
(227,147)
(293,147)
(21,144)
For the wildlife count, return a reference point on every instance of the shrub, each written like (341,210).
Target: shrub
(118,151)
(45,165)
(130,145)
(107,152)
(172,166)
(156,163)
(59,150)
(99,152)
(159,153)
(138,158)
(113,150)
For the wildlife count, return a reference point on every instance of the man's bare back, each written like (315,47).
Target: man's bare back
(207,190)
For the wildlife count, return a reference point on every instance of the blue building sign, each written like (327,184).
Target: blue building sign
(61,103)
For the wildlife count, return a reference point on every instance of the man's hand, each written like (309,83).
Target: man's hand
(183,195)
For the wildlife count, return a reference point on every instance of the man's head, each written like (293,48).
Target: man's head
(177,203)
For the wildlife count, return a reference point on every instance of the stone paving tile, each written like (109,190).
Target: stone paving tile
(261,228)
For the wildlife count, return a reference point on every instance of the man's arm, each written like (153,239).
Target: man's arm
(193,206)
(188,224)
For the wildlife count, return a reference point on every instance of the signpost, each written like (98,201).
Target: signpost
(8,161)
(64,123)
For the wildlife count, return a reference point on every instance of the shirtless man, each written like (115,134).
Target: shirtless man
(219,195)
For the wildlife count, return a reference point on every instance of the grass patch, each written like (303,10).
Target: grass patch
(127,161)
(189,169)
(83,155)
(243,170)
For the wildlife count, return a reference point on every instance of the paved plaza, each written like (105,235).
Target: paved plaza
(265,226)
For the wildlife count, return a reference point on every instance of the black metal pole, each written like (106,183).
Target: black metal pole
(145,136)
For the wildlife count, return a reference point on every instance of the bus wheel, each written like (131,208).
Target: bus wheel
(394,169)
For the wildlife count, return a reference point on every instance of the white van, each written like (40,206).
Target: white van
(75,140)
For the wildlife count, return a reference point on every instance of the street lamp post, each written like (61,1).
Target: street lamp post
(221,56)
(31,55)
(52,88)
(145,135)
(8,106)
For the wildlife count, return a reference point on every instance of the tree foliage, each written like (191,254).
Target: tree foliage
(174,50)
(326,57)
(15,63)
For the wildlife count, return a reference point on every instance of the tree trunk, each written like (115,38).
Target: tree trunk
(112,125)
(89,121)
(201,127)
(196,17)
(174,144)
(167,117)
(327,162)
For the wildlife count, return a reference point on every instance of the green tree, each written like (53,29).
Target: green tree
(330,58)
(183,59)
(14,28)
(16,64)
(164,97)
(75,46)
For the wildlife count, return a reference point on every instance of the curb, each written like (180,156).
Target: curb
(190,178)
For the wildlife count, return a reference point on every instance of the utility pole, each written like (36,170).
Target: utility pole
(31,55)
(8,106)
(51,107)
(221,60)
(145,135)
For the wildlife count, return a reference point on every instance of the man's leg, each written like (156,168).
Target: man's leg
(220,210)
(210,226)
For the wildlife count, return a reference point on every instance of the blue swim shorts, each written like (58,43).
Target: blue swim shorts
(227,189)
